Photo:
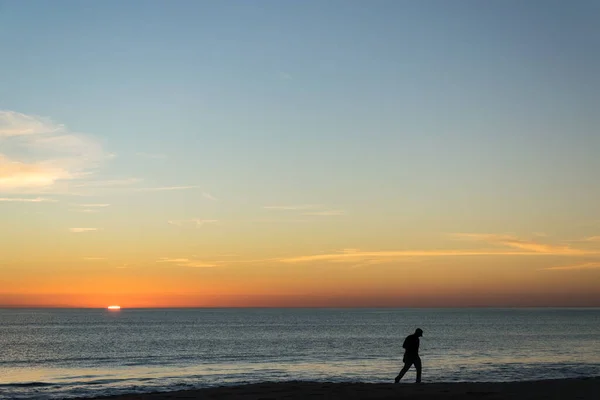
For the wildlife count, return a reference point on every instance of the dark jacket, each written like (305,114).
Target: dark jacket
(411,347)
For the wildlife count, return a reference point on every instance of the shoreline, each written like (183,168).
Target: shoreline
(587,388)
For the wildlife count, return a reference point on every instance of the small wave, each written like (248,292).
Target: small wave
(105,382)
(27,384)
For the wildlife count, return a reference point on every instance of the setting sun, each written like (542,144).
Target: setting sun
(114,307)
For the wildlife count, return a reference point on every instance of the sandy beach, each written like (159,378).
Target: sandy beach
(582,388)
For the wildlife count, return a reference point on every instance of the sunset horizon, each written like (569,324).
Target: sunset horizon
(363,163)
(342,199)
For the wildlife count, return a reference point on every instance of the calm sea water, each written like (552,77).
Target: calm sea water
(72,353)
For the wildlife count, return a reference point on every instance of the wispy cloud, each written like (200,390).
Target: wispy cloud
(197,263)
(20,176)
(194,221)
(514,247)
(172,260)
(590,265)
(162,188)
(26,200)
(38,153)
(592,239)
(81,230)
(293,207)
(251,261)
(14,124)
(89,208)
(151,155)
(359,255)
(94,258)
(282,221)
(185,262)
(209,196)
(527,245)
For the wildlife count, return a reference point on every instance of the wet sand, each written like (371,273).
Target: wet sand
(582,389)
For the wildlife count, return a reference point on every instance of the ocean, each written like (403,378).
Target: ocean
(67,353)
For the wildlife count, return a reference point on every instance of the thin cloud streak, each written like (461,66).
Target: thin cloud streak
(525,247)
(365,255)
(191,262)
(26,200)
(198,264)
(592,239)
(89,208)
(81,230)
(282,221)
(590,265)
(349,255)
(185,262)
(209,196)
(528,245)
(254,261)
(172,260)
(195,221)
(94,258)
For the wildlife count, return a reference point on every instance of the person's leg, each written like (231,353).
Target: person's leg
(407,365)
(418,366)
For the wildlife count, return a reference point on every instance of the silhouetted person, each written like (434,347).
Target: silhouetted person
(411,355)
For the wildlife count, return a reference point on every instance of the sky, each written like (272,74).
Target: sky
(299,153)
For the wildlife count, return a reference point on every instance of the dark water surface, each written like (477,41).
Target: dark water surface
(56,353)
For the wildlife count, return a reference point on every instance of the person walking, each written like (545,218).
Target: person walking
(411,355)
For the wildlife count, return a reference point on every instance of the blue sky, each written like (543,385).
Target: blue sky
(293,96)
(416,117)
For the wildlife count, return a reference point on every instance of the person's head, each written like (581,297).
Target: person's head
(419,332)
